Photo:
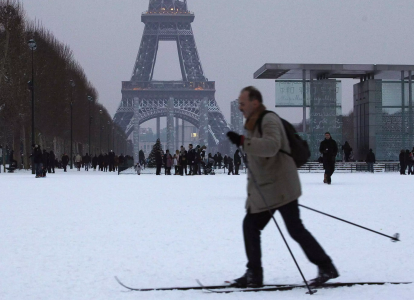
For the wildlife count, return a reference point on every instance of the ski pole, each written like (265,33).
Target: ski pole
(394,238)
(277,225)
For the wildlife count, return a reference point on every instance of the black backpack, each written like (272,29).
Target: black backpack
(300,151)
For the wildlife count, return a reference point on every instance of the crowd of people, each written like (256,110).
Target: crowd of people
(46,162)
(195,162)
(407,162)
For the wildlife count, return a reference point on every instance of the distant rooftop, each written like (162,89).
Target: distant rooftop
(332,71)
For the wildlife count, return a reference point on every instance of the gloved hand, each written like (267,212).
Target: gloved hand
(235,138)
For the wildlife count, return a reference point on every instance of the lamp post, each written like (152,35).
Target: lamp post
(72,84)
(90,98)
(100,132)
(32,47)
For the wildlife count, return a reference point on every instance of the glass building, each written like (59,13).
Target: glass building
(383,104)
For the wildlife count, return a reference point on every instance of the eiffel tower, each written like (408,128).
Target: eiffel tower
(191,100)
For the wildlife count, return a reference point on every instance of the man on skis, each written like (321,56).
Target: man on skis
(278,179)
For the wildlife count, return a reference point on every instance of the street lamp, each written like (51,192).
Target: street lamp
(90,98)
(100,132)
(72,84)
(32,47)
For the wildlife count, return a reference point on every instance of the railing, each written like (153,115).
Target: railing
(351,167)
(168,85)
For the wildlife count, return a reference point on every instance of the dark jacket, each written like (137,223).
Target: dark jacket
(225,160)
(45,158)
(37,155)
(95,161)
(52,158)
(191,156)
(237,158)
(65,159)
(402,158)
(370,157)
(158,158)
(347,148)
(111,157)
(329,150)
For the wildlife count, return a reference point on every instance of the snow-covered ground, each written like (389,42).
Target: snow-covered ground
(67,236)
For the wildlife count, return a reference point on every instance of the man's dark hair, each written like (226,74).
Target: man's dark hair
(254,93)
(328,133)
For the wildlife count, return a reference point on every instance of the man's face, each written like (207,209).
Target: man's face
(190,146)
(246,106)
(327,136)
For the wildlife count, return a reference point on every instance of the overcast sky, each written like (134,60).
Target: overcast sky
(234,38)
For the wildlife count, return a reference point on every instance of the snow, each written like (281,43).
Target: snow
(68,235)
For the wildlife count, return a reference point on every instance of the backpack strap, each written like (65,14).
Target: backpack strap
(260,120)
(259,126)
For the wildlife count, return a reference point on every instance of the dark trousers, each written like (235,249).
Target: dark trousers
(329,168)
(370,167)
(158,169)
(39,169)
(64,167)
(230,170)
(254,223)
(402,168)
(410,169)
(237,169)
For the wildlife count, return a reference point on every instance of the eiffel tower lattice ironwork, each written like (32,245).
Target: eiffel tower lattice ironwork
(192,99)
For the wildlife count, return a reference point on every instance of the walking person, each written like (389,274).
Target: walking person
(225,162)
(65,161)
(230,165)
(158,162)
(37,160)
(183,161)
(45,162)
(329,149)
(111,161)
(411,163)
(87,161)
(138,168)
(101,162)
(370,160)
(403,162)
(105,162)
(94,162)
(219,159)
(168,162)
(51,164)
(237,161)
(408,161)
(191,159)
(177,162)
(78,161)
(346,148)
(278,177)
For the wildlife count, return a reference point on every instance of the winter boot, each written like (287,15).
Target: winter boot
(325,273)
(250,279)
(324,179)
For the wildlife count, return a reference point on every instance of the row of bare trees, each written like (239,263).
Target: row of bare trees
(58,81)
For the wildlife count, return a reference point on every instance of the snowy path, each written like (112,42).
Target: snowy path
(67,236)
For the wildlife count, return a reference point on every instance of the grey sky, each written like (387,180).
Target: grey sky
(234,38)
